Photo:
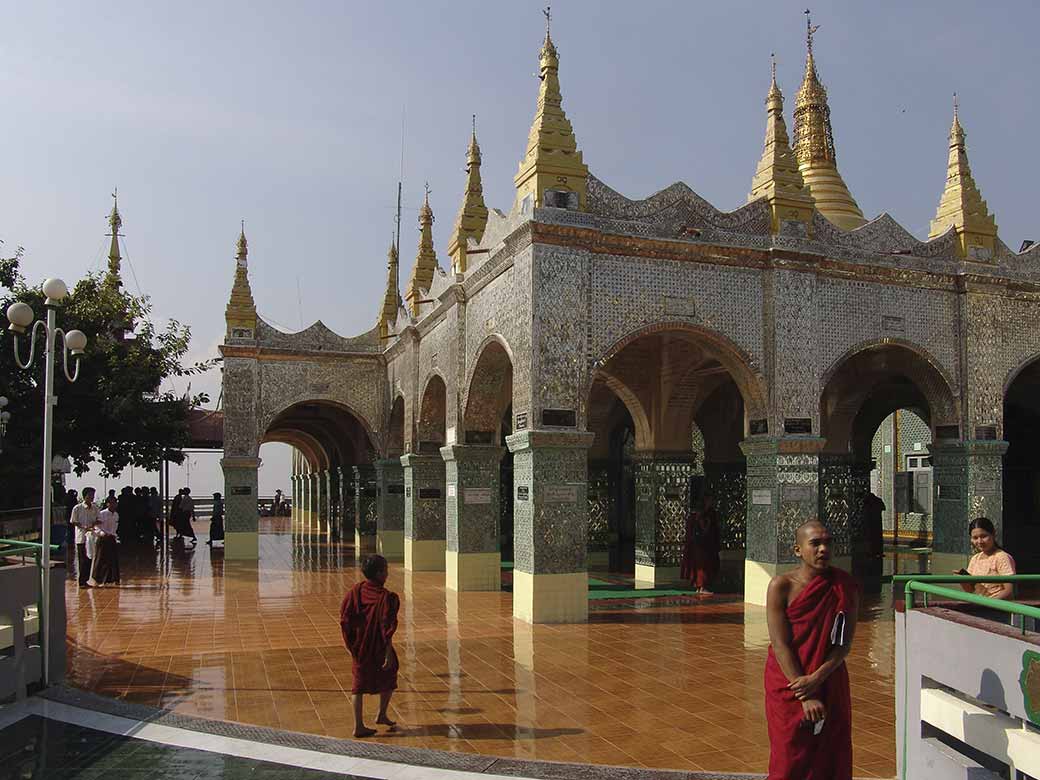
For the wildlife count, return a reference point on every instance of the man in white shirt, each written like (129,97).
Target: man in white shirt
(84,516)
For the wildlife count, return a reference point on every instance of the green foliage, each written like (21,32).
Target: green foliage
(117,413)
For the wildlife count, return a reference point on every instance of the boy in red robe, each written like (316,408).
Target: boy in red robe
(812,618)
(368,618)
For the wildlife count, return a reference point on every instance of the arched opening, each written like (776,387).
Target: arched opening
(432,416)
(881,407)
(487,420)
(329,439)
(1021,488)
(669,407)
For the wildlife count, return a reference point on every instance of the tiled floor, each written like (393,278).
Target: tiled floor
(672,683)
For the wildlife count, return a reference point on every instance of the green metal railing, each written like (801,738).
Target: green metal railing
(20,548)
(932,584)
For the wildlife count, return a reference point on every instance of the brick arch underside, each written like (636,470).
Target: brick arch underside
(490,390)
(868,384)
(327,434)
(433,410)
(664,375)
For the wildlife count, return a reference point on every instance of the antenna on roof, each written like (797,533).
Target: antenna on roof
(399,181)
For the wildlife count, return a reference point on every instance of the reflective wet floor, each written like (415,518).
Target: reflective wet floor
(669,681)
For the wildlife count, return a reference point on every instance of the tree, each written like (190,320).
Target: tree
(117,413)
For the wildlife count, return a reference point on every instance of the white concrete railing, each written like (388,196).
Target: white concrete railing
(967,697)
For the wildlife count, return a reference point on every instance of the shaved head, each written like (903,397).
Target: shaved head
(802,532)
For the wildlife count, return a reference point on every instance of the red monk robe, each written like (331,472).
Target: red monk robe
(796,752)
(368,618)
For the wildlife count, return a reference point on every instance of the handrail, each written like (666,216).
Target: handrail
(928,584)
(21,543)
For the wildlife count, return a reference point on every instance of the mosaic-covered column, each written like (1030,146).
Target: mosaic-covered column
(473,560)
(294,513)
(968,483)
(241,513)
(364,510)
(602,510)
(783,485)
(347,523)
(390,510)
(424,525)
(323,501)
(311,486)
(843,481)
(662,506)
(339,515)
(550,517)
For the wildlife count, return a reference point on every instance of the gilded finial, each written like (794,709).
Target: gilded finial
(547,12)
(425,260)
(549,54)
(240,314)
(471,218)
(772,65)
(115,260)
(242,246)
(810,30)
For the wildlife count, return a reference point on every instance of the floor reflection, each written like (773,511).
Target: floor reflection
(669,682)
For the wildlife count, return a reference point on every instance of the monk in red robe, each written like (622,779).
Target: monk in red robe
(812,618)
(700,561)
(368,618)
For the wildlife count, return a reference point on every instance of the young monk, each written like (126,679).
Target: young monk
(812,618)
(368,618)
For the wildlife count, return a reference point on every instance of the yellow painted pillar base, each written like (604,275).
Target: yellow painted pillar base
(655,576)
(364,544)
(757,576)
(241,546)
(473,571)
(551,598)
(390,544)
(424,554)
(598,560)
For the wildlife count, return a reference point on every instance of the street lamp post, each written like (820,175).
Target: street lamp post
(5,417)
(21,316)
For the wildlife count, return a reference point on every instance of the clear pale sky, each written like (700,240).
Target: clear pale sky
(289,116)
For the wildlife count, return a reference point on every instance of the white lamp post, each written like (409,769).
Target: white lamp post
(21,316)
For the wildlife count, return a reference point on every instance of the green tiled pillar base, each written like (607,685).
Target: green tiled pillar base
(424,524)
(472,516)
(241,516)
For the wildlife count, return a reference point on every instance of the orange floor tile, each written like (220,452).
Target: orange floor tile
(673,683)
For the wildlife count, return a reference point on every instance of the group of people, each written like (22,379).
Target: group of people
(95,534)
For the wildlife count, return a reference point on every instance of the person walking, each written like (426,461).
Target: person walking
(154,513)
(216,522)
(700,562)
(83,519)
(105,569)
(368,620)
(187,508)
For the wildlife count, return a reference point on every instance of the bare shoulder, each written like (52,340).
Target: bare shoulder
(779,589)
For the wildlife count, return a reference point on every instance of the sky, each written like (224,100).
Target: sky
(295,117)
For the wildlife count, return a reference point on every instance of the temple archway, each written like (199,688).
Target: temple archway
(1021,477)
(652,396)
(882,407)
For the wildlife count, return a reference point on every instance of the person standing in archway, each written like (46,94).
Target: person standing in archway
(811,613)
(700,562)
(368,620)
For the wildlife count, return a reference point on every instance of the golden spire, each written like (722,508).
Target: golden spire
(552,160)
(425,260)
(961,205)
(115,260)
(814,146)
(777,178)
(240,313)
(473,214)
(392,296)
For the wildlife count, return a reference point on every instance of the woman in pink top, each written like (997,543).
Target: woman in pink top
(989,561)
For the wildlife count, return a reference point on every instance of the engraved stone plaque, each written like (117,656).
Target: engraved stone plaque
(429,492)
(560,494)
(477,495)
(449,435)
(986,487)
(761,496)
(395,489)
(242,490)
(892,324)
(800,493)
(523,493)
(451,491)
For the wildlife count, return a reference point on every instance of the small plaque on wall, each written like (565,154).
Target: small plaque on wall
(449,435)
(395,490)
(986,487)
(758,427)
(986,432)
(407,492)
(892,324)
(429,492)
(559,418)
(799,493)
(451,491)
(950,492)
(477,495)
(523,493)
(521,421)
(242,490)
(761,496)
(797,425)
(560,494)
(947,432)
